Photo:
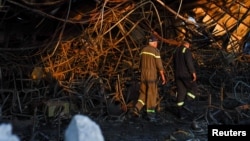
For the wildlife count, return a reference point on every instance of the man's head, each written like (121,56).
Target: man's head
(186,44)
(153,41)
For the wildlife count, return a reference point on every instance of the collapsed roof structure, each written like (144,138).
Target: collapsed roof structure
(84,51)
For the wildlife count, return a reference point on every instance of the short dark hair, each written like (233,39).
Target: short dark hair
(184,42)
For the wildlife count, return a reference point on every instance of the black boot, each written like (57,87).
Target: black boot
(151,117)
(189,108)
(182,113)
(134,112)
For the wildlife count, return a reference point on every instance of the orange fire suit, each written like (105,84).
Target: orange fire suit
(150,65)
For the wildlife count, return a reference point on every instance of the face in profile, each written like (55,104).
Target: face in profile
(186,44)
(154,43)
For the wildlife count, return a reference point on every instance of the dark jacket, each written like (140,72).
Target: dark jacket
(183,63)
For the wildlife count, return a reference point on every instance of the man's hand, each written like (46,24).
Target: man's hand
(194,76)
(163,77)
(163,81)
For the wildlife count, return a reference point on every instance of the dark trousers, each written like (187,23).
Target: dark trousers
(185,86)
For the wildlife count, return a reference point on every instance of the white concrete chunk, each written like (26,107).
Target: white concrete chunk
(6,133)
(82,128)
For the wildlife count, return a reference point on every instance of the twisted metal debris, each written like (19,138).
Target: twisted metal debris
(75,60)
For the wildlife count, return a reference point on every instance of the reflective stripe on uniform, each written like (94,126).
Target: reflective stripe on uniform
(141,102)
(150,111)
(191,95)
(149,53)
(183,50)
(180,104)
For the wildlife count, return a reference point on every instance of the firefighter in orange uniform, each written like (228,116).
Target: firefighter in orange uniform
(151,65)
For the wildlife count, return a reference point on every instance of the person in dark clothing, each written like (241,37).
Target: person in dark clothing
(185,77)
(150,65)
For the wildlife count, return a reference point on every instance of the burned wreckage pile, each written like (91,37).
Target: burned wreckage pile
(60,58)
